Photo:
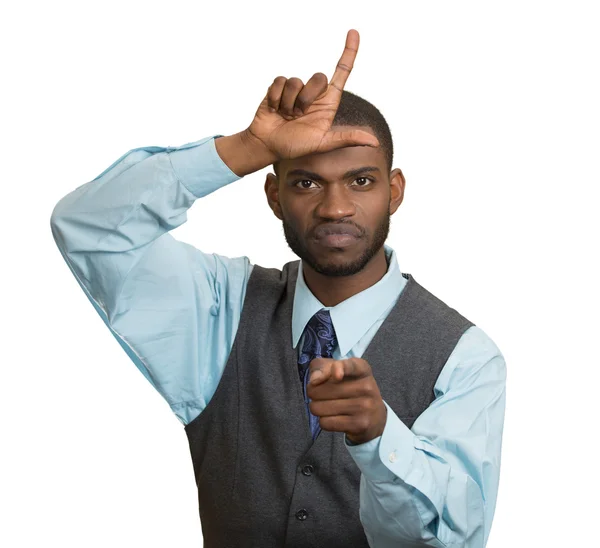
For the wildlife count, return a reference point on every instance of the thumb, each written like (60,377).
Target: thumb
(315,376)
(355,137)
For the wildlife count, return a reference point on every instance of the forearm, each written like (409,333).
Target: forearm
(432,514)
(405,494)
(105,226)
(436,483)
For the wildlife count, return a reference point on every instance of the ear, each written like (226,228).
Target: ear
(397,184)
(272,192)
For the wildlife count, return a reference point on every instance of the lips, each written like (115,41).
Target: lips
(337,230)
(337,236)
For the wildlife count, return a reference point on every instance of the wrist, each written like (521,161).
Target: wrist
(244,153)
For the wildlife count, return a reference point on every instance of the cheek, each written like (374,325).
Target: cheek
(375,217)
(374,209)
(293,222)
(295,215)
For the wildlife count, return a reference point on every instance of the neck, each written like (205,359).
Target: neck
(332,290)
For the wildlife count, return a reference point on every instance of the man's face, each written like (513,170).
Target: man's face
(336,206)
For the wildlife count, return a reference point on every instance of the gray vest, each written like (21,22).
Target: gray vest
(262,481)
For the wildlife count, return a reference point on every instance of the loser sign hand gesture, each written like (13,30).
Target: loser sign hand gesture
(295,119)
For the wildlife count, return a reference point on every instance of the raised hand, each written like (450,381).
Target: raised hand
(295,119)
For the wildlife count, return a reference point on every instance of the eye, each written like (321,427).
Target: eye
(366,181)
(300,184)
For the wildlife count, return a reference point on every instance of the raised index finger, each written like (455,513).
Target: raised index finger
(346,62)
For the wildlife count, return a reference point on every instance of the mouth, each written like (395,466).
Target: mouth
(337,240)
(337,235)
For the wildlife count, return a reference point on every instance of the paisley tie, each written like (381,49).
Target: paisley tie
(319,342)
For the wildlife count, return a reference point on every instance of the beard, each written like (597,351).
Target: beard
(298,245)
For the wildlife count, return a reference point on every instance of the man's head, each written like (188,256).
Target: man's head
(336,206)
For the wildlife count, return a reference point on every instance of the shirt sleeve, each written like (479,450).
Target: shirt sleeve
(437,483)
(172,308)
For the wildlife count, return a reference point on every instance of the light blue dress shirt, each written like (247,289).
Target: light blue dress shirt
(175,311)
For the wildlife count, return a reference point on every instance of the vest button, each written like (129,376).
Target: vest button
(302,514)
(308,470)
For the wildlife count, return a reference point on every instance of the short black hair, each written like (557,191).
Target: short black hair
(353,110)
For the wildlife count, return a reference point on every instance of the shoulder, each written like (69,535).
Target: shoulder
(274,276)
(431,309)
(475,359)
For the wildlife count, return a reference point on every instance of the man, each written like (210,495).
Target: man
(335,402)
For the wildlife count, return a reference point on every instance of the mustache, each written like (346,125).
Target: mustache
(346,227)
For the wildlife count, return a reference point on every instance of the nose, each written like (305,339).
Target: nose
(336,203)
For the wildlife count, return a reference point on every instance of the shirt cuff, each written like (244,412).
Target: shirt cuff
(388,456)
(199,167)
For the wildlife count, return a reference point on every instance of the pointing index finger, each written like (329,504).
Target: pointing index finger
(346,62)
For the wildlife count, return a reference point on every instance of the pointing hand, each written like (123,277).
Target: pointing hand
(346,397)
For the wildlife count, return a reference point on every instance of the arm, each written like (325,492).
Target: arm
(164,301)
(172,308)
(437,483)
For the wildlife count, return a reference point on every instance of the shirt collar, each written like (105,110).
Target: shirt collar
(350,325)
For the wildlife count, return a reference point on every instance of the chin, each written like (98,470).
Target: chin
(335,261)
(338,262)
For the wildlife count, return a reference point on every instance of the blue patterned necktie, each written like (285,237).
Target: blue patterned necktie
(319,342)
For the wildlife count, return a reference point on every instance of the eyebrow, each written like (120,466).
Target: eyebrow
(317,177)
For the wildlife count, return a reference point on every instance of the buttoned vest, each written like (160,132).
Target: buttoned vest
(262,481)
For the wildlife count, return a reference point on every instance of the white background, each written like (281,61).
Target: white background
(494,111)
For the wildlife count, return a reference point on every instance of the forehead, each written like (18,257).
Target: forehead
(333,164)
